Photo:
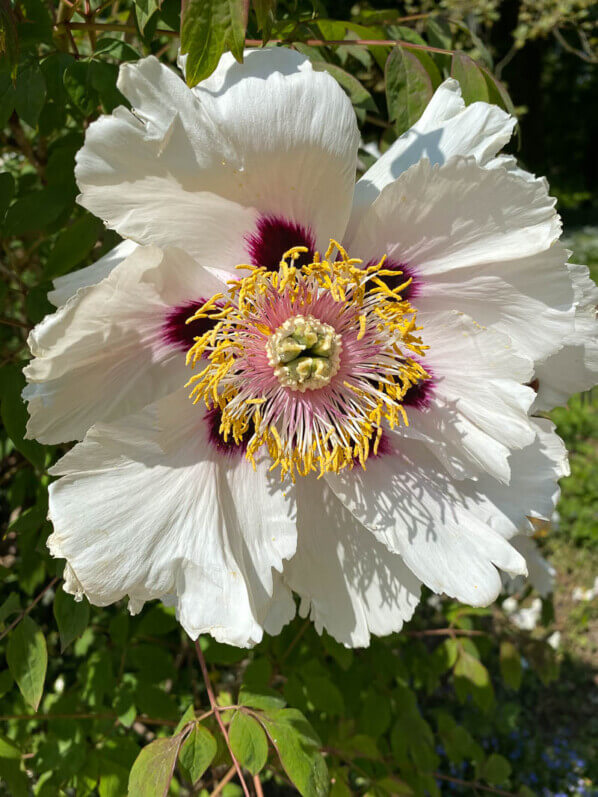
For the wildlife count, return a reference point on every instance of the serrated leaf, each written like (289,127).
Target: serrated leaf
(72,617)
(208,27)
(471,677)
(470,77)
(198,752)
(408,88)
(27,659)
(510,665)
(152,771)
(264,13)
(293,739)
(30,94)
(248,742)
(496,769)
(72,246)
(77,82)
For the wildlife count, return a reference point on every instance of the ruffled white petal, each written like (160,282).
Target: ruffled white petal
(446,128)
(477,411)
(103,354)
(146,508)
(574,368)
(194,168)
(418,511)
(541,574)
(69,284)
(534,489)
(349,583)
(478,241)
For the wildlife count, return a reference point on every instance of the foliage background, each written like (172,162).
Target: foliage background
(463,701)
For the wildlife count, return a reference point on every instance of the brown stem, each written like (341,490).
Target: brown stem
(215,707)
(259,43)
(29,608)
(257,785)
(446,632)
(230,774)
(474,784)
(296,639)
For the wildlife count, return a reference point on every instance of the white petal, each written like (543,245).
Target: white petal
(417,510)
(104,353)
(349,583)
(278,143)
(446,128)
(69,284)
(439,218)
(574,368)
(534,490)
(477,411)
(528,298)
(541,574)
(147,508)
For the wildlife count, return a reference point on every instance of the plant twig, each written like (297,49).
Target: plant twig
(230,774)
(296,639)
(257,785)
(446,632)
(116,26)
(215,707)
(473,784)
(29,608)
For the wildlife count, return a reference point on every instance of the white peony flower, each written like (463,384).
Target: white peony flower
(384,378)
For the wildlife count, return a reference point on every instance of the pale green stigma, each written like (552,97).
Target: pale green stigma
(305,353)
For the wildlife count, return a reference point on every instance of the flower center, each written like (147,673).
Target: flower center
(272,366)
(304,352)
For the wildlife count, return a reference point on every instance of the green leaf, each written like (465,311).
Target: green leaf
(27,659)
(510,665)
(9,39)
(496,770)
(144,11)
(262,698)
(324,695)
(10,769)
(72,246)
(375,714)
(198,751)
(497,93)
(264,12)
(30,94)
(7,97)
(208,27)
(14,415)
(471,78)
(295,742)
(248,742)
(408,88)
(7,189)
(71,616)
(103,79)
(116,48)
(152,771)
(77,82)
(471,677)
(34,211)
(358,94)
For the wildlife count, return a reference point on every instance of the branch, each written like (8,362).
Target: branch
(215,707)
(474,784)
(29,608)
(569,47)
(114,26)
(452,632)
(230,774)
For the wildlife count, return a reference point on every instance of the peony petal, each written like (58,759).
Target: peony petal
(418,511)
(349,583)
(188,162)
(541,574)
(534,490)
(574,368)
(166,514)
(69,284)
(446,128)
(106,352)
(477,406)
(441,218)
